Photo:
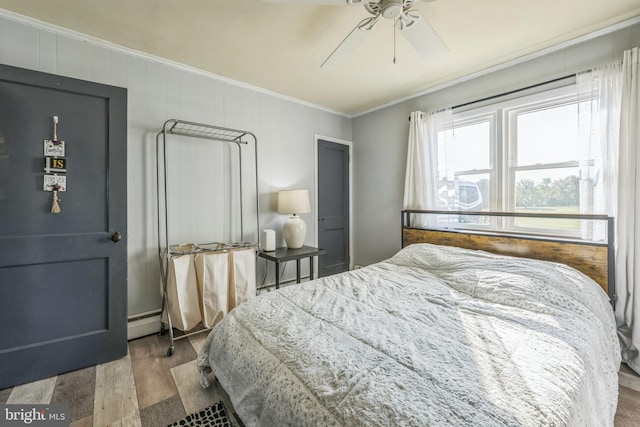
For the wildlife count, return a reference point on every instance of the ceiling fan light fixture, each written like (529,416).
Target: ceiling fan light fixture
(390,9)
(404,21)
(411,24)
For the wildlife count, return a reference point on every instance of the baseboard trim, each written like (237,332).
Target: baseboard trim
(143,327)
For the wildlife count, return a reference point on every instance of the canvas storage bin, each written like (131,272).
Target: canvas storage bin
(225,280)
(204,286)
(213,286)
(182,293)
(242,279)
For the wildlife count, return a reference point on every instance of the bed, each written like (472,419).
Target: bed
(436,335)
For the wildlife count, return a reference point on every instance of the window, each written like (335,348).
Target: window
(465,164)
(521,155)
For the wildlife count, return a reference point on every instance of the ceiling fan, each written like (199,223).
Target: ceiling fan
(411,24)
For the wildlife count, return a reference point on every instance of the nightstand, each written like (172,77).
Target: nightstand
(287,254)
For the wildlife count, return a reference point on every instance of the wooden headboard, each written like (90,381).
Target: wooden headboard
(595,259)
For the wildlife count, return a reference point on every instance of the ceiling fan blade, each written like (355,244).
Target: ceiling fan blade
(351,42)
(421,35)
(333,2)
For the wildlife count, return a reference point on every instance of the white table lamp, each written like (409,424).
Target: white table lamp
(294,202)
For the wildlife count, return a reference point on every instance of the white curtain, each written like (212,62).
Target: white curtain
(628,216)
(421,176)
(599,96)
(610,180)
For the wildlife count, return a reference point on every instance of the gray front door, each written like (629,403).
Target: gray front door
(63,293)
(333,207)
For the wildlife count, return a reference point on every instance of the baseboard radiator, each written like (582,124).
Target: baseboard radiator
(143,324)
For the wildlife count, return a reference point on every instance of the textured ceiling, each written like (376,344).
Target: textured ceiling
(280,46)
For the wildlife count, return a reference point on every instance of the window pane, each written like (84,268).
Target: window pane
(548,136)
(464,193)
(466,148)
(474,192)
(548,190)
(552,191)
(474,195)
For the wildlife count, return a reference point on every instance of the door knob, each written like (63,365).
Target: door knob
(115,237)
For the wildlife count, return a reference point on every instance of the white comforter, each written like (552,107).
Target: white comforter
(433,336)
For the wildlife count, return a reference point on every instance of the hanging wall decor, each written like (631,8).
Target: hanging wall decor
(55,164)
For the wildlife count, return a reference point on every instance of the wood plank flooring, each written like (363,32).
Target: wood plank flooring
(145,388)
(628,414)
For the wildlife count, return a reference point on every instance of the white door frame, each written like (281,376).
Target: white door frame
(315,210)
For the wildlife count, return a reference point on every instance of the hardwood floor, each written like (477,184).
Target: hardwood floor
(145,388)
(628,414)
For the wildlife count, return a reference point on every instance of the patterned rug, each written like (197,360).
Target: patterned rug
(214,416)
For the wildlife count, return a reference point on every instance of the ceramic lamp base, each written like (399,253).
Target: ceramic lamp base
(294,231)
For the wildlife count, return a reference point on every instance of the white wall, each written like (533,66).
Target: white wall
(158,91)
(380,137)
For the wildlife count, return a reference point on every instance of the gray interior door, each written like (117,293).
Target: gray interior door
(333,207)
(63,294)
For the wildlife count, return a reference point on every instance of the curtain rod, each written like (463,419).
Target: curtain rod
(511,92)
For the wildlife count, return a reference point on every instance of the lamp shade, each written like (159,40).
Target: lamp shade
(293,202)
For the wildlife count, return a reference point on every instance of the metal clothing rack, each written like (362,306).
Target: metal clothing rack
(235,137)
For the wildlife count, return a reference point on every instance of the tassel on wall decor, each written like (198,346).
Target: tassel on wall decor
(55,207)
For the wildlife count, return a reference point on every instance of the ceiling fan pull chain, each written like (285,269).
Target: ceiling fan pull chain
(394,44)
